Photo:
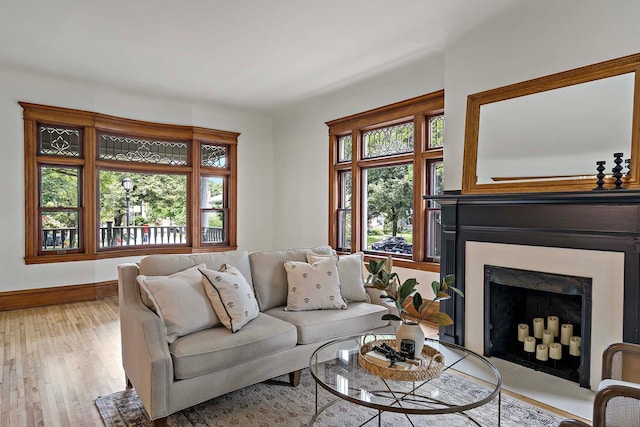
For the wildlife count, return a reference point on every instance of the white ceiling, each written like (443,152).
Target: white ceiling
(247,53)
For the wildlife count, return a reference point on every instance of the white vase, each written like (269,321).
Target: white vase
(411,331)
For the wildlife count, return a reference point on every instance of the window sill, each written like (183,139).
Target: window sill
(52,258)
(407,263)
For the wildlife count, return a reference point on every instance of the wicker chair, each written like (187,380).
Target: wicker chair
(617,402)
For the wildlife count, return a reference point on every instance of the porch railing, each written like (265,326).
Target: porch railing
(113,236)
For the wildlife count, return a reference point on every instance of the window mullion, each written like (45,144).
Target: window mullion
(232,187)
(356,192)
(419,188)
(193,195)
(31,182)
(88,227)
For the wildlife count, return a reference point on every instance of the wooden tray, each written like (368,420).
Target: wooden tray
(431,363)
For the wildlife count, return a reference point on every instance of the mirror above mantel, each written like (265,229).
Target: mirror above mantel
(548,133)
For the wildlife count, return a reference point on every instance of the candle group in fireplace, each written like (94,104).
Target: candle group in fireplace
(548,348)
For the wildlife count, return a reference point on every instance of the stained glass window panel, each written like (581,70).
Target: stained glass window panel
(388,141)
(345,148)
(213,156)
(57,141)
(436,132)
(139,150)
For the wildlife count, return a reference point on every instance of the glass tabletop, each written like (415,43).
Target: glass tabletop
(467,381)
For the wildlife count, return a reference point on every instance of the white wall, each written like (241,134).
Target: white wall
(534,39)
(255,167)
(283,169)
(301,155)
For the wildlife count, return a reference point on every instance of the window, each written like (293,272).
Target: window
(99,186)
(383,162)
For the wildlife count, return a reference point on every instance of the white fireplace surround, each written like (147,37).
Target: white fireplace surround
(606,269)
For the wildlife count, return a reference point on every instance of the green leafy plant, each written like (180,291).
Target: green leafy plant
(383,278)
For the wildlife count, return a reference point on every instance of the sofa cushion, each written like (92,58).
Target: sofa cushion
(165,264)
(269,276)
(218,348)
(231,296)
(180,301)
(322,325)
(350,269)
(314,286)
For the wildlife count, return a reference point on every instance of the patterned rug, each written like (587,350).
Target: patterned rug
(275,403)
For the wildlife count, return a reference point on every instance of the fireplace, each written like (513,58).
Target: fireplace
(514,297)
(585,234)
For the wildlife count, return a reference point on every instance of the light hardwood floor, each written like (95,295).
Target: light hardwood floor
(56,360)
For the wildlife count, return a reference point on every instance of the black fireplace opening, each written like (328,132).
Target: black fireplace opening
(513,297)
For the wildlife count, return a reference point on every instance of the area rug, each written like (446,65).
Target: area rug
(275,403)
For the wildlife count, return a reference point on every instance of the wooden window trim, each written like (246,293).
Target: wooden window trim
(93,123)
(418,110)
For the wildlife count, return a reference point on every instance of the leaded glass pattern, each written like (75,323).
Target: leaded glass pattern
(213,156)
(387,141)
(436,132)
(56,141)
(344,148)
(138,150)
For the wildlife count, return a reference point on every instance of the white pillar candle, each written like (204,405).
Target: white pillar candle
(538,327)
(566,332)
(555,351)
(547,337)
(574,346)
(529,344)
(523,331)
(553,324)
(542,352)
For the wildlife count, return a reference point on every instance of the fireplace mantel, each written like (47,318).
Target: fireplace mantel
(598,220)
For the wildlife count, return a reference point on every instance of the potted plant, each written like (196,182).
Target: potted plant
(406,297)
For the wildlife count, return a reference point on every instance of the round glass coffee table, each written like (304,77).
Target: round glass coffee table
(468,381)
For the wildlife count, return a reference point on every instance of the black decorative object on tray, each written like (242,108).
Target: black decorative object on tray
(617,170)
(600,176)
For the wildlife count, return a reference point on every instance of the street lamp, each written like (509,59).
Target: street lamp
(127,184)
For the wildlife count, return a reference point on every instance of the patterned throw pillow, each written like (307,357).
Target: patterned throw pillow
(231,296)
(314,286)
(350,269)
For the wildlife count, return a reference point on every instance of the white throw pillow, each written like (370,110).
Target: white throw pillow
(231,296)
(180,301)
(314,286)
(350,269)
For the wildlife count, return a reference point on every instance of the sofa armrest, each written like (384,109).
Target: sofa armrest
(145,351)
(374,295)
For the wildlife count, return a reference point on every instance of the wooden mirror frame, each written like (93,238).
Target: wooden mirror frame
(601,70)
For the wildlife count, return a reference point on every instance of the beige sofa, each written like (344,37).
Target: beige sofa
(211,362)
